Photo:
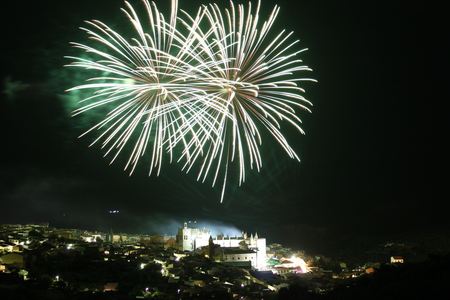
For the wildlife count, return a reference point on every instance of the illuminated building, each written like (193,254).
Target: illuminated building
(396,259)
(189,239)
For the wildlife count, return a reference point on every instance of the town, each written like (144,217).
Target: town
(82,264)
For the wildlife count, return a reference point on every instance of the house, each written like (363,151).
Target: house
(4,247)
(87,238)
(96,236)
(13,259)
(157,238)
(170,242)
(235,254)
(64,234)
(396,259)
(111,287)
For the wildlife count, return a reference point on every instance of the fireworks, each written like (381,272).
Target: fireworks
(195,89)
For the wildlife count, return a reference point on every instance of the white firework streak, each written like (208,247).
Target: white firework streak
(157,93)
(260,90)
(208,92)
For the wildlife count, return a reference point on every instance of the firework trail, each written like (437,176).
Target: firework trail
(206,84)
(154,92)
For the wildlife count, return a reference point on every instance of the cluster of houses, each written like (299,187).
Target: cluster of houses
(248,253)
(19,241)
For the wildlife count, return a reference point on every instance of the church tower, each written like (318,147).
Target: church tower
(211,249)
(189,239)
(185,238)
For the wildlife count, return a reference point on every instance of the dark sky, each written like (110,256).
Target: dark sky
(374,159)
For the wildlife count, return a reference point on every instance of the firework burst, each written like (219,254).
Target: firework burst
(155,93)
(206,92)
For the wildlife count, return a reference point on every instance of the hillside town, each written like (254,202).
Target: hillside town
(191,264)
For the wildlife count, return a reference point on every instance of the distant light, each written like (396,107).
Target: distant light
(114,211)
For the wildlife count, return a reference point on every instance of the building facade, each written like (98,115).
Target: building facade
(190,239)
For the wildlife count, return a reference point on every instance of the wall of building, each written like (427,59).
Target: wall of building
(189,239)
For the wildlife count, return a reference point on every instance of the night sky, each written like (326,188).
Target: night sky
(374,159)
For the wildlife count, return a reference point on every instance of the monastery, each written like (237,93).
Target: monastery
(233,250)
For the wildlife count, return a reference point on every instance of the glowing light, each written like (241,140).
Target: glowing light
(298,262)
(192,95)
